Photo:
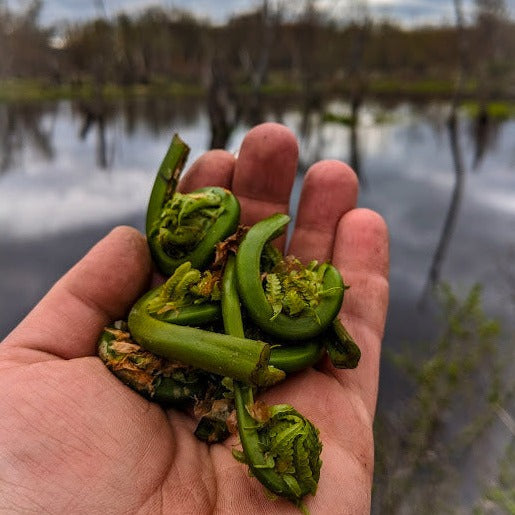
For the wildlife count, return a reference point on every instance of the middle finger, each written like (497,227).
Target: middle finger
(264,172)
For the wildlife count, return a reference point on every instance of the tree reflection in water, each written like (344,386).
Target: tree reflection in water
(22,127)
(433,276)
(96,114)
(484,131)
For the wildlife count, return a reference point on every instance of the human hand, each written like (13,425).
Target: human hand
(74,439)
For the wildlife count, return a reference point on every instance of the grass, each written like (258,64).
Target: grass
(12,90)
(340,119)
(34,90)
(500,496)
(498,110)
(421,87)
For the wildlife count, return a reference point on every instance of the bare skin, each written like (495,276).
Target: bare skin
(73,439)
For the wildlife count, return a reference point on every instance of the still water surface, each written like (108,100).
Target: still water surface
(67,176)
(69,173)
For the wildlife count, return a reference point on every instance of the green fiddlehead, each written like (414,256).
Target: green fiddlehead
(194,305)
(341,347)
(186,227)
(280,446)
(296,302)
(239,358)
(188,297)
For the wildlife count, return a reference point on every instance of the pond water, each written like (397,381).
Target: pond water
(69,172)
(68,175)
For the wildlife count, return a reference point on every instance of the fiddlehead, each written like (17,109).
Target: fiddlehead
(296,302)
(280,446)
(164,381)
(188,297)
(186,227)
(341,347)
(239,358)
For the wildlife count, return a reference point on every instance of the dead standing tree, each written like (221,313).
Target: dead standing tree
(306,50)
(357,77)
(254,54)
(492,48)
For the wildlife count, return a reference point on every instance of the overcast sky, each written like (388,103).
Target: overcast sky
(407,11)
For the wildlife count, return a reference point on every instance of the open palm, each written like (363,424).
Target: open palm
(73,439)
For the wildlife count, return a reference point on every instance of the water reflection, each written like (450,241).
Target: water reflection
(355,156)
(223,104)
(22,125)
(156,114)
(153,114)
(95,115)
(56,154)
(433,277)
(310,132)
(29,126)
(484,130)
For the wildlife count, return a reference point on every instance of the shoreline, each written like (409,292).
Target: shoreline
(38,90)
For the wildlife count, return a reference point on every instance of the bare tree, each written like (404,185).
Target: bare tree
(25,50)
(491,63)
(357,74)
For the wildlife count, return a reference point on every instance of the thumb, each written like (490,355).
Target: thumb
(100,288)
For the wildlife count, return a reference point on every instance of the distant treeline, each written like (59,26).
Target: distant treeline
(265,48)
